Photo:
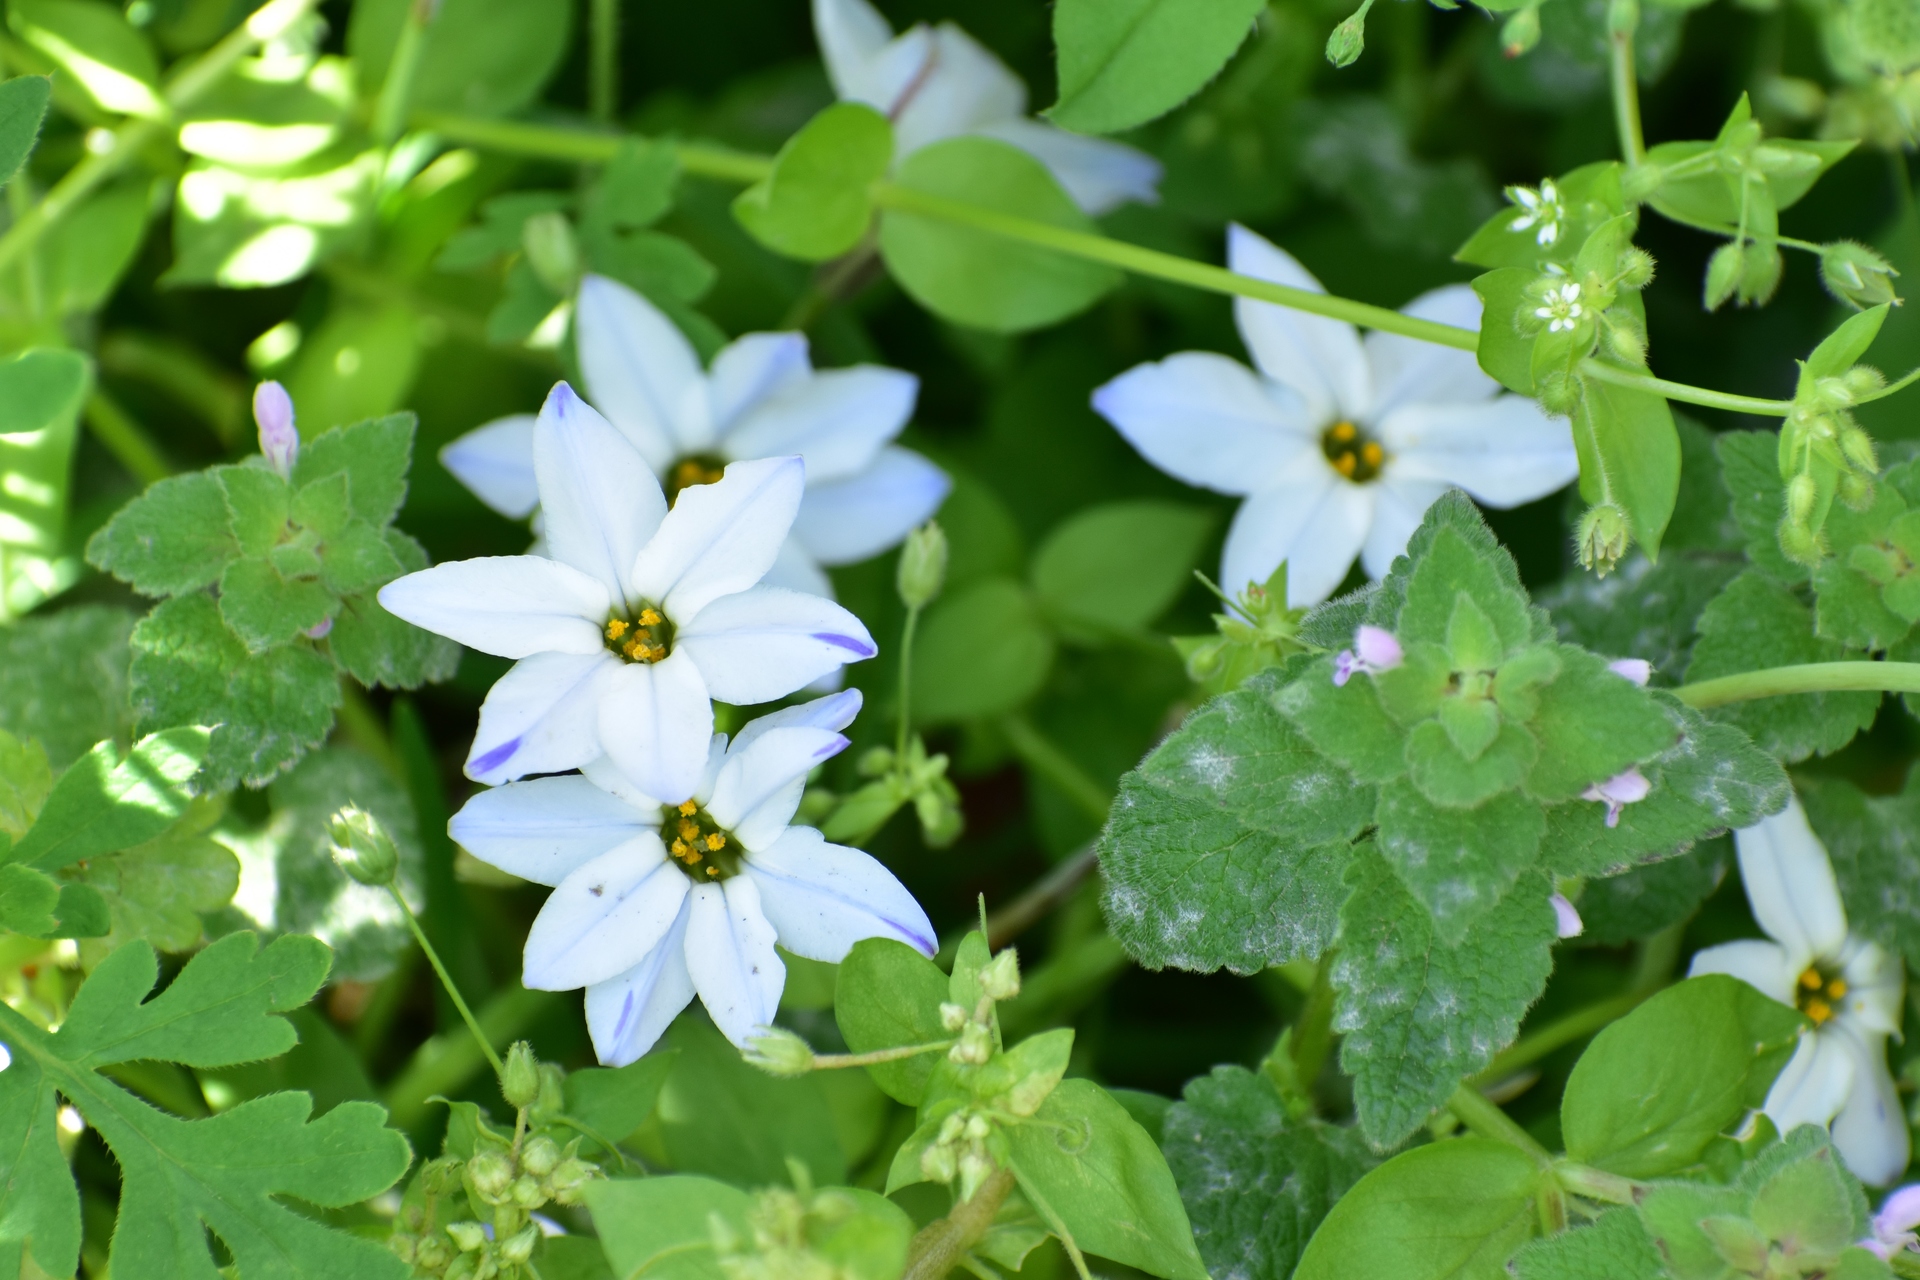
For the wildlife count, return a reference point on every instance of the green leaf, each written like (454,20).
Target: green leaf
(814,205)
(1458,863)
(1613,1247)
(1758,623)
(1641,610)
(96,45)
(1637,1107)
(974,277)
(982,651)
(271,709)
(1713,779)
(1448,565)
(1504,352)
(657,1227)
(721,1117)
(1840,350)
(1871,842)
(259,504)
(636,187)
(1646,899)
(1226,846)
(1629,454)
(1454,1210)
(181,1179)
(29,901)
(1123,62)
(23,104)
(614,1101)
(158,891)
(1117,566)
(172,539)
(478,57)
(1418,1015)
(266,610)
(246,229)
(63,679)
(1445,776)
(887,995)
(1256,1182)
(358,560)
(1345,722)
(40,396)
(1672,1214)
(1750,469)
(103,803)
(1590,195)
(1592,724)
(1097,1169)
(25,780)
(377,648)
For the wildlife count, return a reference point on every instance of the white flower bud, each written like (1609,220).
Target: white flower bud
(1001,978)
(273,414)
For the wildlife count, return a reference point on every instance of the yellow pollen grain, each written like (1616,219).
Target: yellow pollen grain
(650,618)
(1344,431)
(616,627)
(1344,464)
(716,842)
(688,831)
(1819,1011)
(713,871)
(1837,989)
(679,848)
(1372,454)
(1811,979)
(688,808)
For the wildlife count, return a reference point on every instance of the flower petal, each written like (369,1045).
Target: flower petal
(656,720)
(751,368)
(960,88)
(731,957)
(1876,986)
(852,36)
(1409,371)
(720,538)
(857,517)
(795,570)
(1504,451)
(495,461)
(627,1014)
(1315,521)
(510,606)
(1211,421)
(546,828)
(823,898)
(541,717)
(1814,1084)
(605,917)
(599,501)
(1098,174)
(836,420)
(1871,1129)
(1790,884)
(835,711)
(639,368)
(1398,507)
(1764,966)
(763,644)
(1319,358)
(758,788)
(603,773)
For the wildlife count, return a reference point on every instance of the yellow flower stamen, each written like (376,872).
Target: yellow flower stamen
(1811,979)
(688,808)
(1819,1011)
(616,627)
(650,618)
(716,842)
(1837,989)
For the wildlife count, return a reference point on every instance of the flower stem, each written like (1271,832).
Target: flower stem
(1622,17)
(446,1062)
(834,1061)
(1559,1033)
(390,113)
(115,428)
(446,980)
(1596,1184)
(906,686)
(1474,1111)
(1600,371)
(1811,677)
(603,87)
(514,137)
(1046,893)
(1040,754)
(942,1243)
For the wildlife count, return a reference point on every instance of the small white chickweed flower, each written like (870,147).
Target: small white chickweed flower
(1561,307)
(1541,211)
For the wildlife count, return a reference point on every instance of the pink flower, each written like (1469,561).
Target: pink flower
(1893,1226)
(1570,925)
(279,441)
(1618,792)
(1635,669)
(1374,650)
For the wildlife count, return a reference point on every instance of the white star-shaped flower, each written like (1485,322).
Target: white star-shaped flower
(1561,307)
(1849,988)
(761,399)
(637,617)
(1541,209)
(1340,444)
(655,902)
(938,82)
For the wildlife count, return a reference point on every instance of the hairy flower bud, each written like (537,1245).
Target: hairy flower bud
(362,847)
(520,1076)
(1000,980)
(939,1162)
(527,1193)
(273,414)
(518,1247)
(1724,271)
(1856,275)
(1601,538)
(1349,38)
(1801,544)
(467,1236)
(1857,447)
(489,1174)
(779,1052)
(1855,490)
(975,1045)
(1521,31)
(923,565)
(952,1016)
(976,1166)
(1802,493)
(1636,269)
(540,1155)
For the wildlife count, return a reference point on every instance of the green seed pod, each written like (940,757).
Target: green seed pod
(1801,544)
(1349,38)
(1802,493)
(520,1077)
(518,1247)
(1636,269)
(540,1156)
(1601,538)
(467,1236)
(1001,978)
(1857,447)
(1724,272)
(489,1175)
(362,847)
(1856,275)
(779,1052)
(923,565)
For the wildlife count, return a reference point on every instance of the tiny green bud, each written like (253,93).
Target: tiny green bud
(1862,381)
(1601,538)
(1636,269)
(552,252)
(923,565)
(1000,980)
(952,1128)
(519,1246)
(552,1099)
(977,1128)
(779,1052)
(1349,38)
(1855,490)
(974,1047)
(520,1076)
(1801,544)
(939,1162)
(489,1175)
(976,1166)
(1627,342)
(527,1193)
(1856,274)
(1623,16)
(432,1253)
(540,1155)
(565,1182)
(1558,392)
(1521,31)
(1857,447)
(1724,271)
(952,1016)
(467,1236)
(1802,493)
(362,847)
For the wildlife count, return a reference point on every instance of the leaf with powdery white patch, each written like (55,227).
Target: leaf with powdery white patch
(1225,847)
(1592,724)
(1641,610)
(1458,862)
(173,538)
(374,455)
(181,1179)
(1613,1247)
(1750,469)
(1256,1182)
(1454,515)
(1420,1016)
(1713,779)
(1758,623)
(1449,567)
(1344,722)
(1874,842)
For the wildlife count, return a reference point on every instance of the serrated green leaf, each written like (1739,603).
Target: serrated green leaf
(1449,566)
(103,803)
(63,679)
(636,187)
(1226,846)
(23,104)
(1671,1214)
(377,648)
(1592,725)
(815,205)
(182,1178)
(1643,900)
(358,560)
(172,539)
(266,610)
(887,995)
(1750,470)
(1124,62)
(1446,777)
(29,901)
(1117,566)
(1642,609)
(1758,623)
(25,780)
(1614,1246)
(159,890)
(324,506)
(1345,722)
(1457,862)
(259,504)
(1874,842)
(1256,1183)
(374,455)
(1418,1015)
(1850,608)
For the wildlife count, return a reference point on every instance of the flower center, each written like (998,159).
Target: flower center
(1352,452)
(705,850)
(646,638)
(695,468)
(1818,994)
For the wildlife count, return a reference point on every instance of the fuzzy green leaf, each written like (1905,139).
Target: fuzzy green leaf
(1874,842)
(259,504)
(23,103)
(63,679)
(266,610)
(1592,724)
(377,648)
(172,539)
(1646,899)
(374,455)
(1457,862)
(1750,470)
(1613,1247)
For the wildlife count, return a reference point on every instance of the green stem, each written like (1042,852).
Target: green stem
(1038,753)
(115,428)
(1622,18)
(1811,677)
(213,394)
(1596,1184)
(836,1061)
(390,113)
(1891,387)
(131,138)
(906,686)
(1562,1031)
(548,142)
(1601,371)
(942,1243)
(446,1062)
(1006,924)
(446,980)
(603,85)
(1733,233)
(1478,1114)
